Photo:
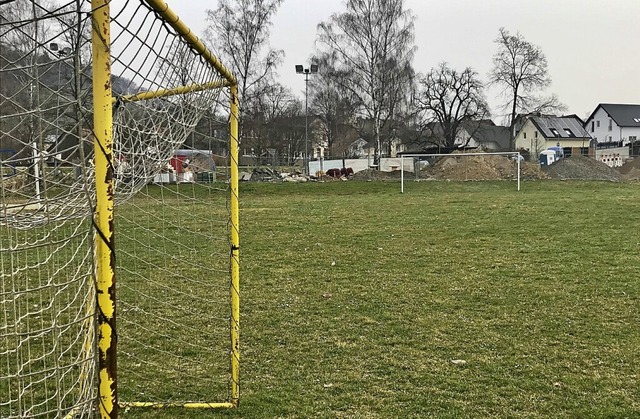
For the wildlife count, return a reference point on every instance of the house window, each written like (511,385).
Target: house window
(610,139)
(525,135)
(637,120)
(535,134)
(554,132)
(592,124)
(598,124)
(568,132)
(610,124)
(633,138)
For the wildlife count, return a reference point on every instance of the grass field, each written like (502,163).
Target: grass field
(356,300)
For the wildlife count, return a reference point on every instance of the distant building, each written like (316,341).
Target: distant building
(491,137)
(539,132)
(389,147)
(483,135)
(611,123)
(356,149)
(616,129)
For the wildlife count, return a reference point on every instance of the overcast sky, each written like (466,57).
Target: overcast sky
(592,46)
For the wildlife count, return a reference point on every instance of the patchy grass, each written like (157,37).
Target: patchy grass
(356,300)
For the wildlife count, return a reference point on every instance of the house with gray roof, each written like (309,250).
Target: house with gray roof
(612,123)
(539,132)
(491,137)
(483,135)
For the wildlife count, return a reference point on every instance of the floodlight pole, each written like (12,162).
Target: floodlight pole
(306,71)
(60,53)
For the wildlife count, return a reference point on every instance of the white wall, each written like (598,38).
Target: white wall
(530,139)
(628,132)
(602,133)
(386,164)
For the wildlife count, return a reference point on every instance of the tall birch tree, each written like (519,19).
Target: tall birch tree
(371,46)
(239,30)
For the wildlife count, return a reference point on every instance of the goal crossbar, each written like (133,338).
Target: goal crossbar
(172,92)
(514,154)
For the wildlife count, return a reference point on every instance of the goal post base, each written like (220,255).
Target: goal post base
(186,405)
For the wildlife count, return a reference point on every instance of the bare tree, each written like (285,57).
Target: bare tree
(23,91)
(450,101)
(521,68)
(239,30)
(548,104)
(372,47)
(276,126)
(333,106)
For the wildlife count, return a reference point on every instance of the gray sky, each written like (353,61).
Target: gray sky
(592,46)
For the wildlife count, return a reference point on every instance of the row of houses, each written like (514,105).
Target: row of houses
(610,134)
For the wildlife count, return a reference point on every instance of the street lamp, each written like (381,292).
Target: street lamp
(38,147)
(312,69)
(62,54)
(54,47)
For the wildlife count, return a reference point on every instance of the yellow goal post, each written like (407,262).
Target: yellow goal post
(115,117)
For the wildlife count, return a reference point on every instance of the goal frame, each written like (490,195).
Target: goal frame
(516,154)
(104,210)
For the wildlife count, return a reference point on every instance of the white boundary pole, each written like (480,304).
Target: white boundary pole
(506,153)
(518,159)
(401,173)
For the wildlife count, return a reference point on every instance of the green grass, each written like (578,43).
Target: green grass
(355,300)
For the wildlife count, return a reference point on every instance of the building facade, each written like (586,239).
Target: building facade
(611,123)
(540,132)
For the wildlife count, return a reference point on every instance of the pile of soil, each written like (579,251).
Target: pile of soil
(483,168)
(581,167)
(372,174)
(491,167)
(631,169)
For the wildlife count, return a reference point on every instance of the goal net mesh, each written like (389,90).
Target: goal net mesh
(170,165)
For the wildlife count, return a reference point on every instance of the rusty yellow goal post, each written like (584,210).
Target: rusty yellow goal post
(119,213)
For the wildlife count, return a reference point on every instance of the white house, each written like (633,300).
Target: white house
(616,128)
(610,123)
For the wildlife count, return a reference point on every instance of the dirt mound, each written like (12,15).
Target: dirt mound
(491,167)
(483,168)
(631,169)
(581,167)
(372,174)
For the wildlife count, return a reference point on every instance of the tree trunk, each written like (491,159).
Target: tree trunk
(512,125)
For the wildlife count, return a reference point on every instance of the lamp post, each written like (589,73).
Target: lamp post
(38,147)
(312,69)
(62,54)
